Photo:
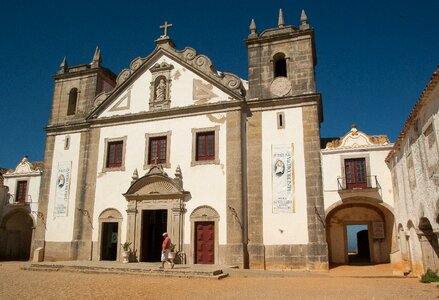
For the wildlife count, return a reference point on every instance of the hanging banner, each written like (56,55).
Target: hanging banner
(62,189)
(283,178)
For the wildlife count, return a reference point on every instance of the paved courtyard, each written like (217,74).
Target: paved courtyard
(340,283)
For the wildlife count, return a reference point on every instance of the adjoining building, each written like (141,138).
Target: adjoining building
(19,213)
(414,164)
(357,190)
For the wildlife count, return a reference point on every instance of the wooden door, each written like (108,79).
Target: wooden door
(205,243)
(355,170)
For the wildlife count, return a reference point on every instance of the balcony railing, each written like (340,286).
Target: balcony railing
(12,200)
(371,183)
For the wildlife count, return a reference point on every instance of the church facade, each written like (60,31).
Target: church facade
(230,168)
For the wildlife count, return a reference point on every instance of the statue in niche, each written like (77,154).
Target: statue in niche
(160,90)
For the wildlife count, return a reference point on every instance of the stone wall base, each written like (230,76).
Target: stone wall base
(297,257)
(234,255)
(256,253)
(74,250)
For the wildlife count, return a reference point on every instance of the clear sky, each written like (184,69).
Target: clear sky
(374,57)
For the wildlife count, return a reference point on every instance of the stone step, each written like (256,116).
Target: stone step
(152,271)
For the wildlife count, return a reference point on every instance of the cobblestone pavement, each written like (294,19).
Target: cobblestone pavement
(21,284)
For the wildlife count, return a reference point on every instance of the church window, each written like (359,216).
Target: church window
(280,120)
(114,154)
(73,100)
(206,145)
(205,148)
(157,150)
(114,158)
(21,194)
(355,171)
(280,65)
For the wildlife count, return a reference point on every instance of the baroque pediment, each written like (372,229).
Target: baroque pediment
(199,64)
(156,184)
(25,167)
(357,139)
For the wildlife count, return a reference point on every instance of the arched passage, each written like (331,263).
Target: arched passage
(375,239)
(429,245)
(16,236)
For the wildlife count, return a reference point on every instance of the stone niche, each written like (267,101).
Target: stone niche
(160,86)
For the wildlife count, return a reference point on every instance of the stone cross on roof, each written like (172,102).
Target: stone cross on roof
(165,28)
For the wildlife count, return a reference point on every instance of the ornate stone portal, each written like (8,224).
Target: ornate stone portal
(156,191)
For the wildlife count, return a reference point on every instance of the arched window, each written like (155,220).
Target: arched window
(73,100)
(280,65)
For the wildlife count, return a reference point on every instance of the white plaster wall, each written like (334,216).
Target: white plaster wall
(414,202)
(421,200)
(33,187)
(180,91)
(206,183)
(284,228)
(333,167)
(60,229)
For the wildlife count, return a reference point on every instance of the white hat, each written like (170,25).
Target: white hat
(164,233)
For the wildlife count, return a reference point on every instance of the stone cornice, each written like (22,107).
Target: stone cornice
(147,116)
(82,70)
(169,113)
(272,35)
(287,102)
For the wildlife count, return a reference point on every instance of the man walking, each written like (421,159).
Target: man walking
(166,246)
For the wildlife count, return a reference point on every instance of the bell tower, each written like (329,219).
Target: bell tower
(76,88)
(281,60)
(283,164)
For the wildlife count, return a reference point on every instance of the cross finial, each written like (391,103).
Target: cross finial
(155,160)
(165,28)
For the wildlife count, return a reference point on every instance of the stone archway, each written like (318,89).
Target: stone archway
(110,222)
(208,217)
(429,245)
(359,211)
(17,228)
(156,203)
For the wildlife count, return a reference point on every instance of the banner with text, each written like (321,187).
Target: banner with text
(62,189)
(283,178)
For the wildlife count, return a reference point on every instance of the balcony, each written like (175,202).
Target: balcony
(12,200)
(370,184)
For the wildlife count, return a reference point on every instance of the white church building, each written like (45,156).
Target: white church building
(234,170)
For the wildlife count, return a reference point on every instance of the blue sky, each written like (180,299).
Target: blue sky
(374,58)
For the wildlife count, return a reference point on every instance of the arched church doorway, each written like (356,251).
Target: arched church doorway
(154,224)
(110,222)
(17,236)
(359,231)
(204,221)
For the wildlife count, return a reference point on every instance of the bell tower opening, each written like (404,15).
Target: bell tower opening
(280,65)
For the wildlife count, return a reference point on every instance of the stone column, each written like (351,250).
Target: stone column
(40,230)
(317,247)
(256,247)
(235,218)
(131,229)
